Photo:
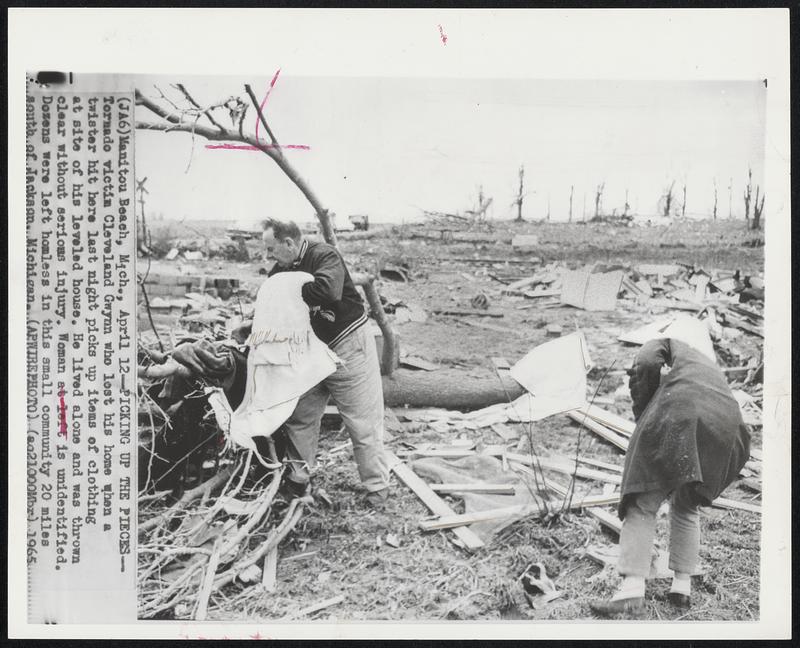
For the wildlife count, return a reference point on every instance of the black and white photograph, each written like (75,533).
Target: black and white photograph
(312,344)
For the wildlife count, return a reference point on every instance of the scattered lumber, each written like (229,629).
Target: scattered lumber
(604,517)
(435,503)
(616,422)
(466,312)
(270,573)
(599,429)
(724,502)
(561,466)
(314,608)
(474,487)
(455,521)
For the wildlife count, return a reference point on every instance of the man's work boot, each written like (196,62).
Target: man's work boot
(378,499)
(291,489)
(679,600)
(629,608)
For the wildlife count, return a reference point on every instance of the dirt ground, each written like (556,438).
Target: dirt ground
(341,548)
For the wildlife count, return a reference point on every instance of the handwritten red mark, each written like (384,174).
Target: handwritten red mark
(248,147)
(62,414)
(442,35)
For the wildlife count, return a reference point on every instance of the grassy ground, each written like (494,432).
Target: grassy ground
(426,577)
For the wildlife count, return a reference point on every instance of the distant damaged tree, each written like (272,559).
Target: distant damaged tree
(715,199)
(520,193)
(598,199)
(758,209)
(571,192)
(748,196)
(667,200)
(188,116)
(683,203)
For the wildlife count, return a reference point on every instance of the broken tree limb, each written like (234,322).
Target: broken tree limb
(435,503)
(390,353)
(448,389)
(290,520)
(208,582)
(189,496)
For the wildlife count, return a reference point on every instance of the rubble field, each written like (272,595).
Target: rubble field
(476,300)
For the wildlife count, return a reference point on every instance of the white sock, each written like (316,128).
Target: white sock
(681,583)
(631,587)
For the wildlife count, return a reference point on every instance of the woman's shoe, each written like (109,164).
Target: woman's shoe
(682,601)
(629,607)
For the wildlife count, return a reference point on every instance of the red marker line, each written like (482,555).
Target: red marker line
(248,147)
(62,414)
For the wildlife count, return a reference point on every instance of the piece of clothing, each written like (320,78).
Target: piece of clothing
(285,359)
(639,527)
(689,429)
(356,390)
(335,305)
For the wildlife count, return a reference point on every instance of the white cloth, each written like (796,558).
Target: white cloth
(286,359)
(554,375)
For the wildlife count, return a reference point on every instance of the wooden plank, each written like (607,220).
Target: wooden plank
(500,363)
(270,573)
(604,517)
(315,608)
(724,502)
(435,503)
(466,312)
(474,487)
(601,430)
(444,453)
(611,420)
(505,432)
(459,520)
(561,466)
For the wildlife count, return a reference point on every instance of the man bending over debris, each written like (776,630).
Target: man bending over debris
(338,318)
(689,444)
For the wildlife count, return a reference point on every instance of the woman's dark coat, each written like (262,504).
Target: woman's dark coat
(689,429)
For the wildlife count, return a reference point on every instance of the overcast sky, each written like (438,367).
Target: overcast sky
(389,147)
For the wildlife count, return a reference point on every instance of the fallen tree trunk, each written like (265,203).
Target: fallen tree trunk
(448,389)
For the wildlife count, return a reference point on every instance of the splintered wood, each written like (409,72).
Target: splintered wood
(435,503)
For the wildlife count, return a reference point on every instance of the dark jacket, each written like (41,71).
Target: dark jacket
(335,305)
(689,429)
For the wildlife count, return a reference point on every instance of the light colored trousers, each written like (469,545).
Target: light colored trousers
(356,390)
(638,532)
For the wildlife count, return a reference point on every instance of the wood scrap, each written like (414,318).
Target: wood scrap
(435,503)
(466,312)
(724,502)
(560,466)
(474,487)
(270,573)
(335,600)
(601,430)
(611,420)
(604,517)
(457,520)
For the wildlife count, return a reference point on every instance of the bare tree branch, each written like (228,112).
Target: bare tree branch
(206,111)
(260,114)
